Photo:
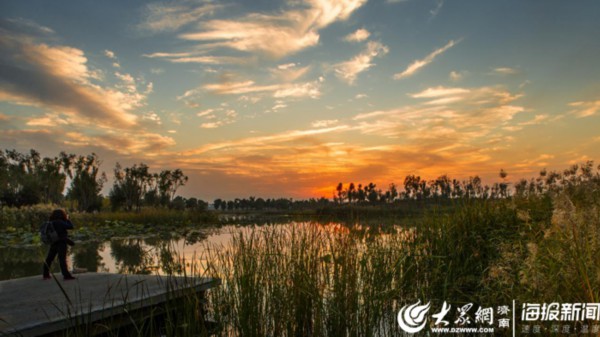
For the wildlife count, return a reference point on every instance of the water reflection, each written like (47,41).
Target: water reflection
(163,254)
(87,256)
(21,261)
(153,254)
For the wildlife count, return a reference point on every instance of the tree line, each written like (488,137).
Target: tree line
(29,179)
(444,187)
(259,204)
(415,188)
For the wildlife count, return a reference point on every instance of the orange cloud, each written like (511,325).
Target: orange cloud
(275,35)
(418,64)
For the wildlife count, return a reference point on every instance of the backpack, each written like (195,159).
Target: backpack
(48,233)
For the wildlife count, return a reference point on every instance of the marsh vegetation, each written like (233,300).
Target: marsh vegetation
(348,275)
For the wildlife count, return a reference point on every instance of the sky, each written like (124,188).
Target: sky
(289,98)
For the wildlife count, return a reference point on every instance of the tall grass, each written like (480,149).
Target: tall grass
(310,280)
(328,280)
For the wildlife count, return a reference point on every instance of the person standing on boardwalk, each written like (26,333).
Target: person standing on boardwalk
(60,221)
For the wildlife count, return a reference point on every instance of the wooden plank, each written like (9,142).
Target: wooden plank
(31,306)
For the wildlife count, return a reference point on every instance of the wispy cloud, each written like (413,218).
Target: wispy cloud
(187,57)
(169,17)
(128,143)
(583,109)
(418,64)
(324,123)
(505,71)
(438,7)
(215,118)
(358,36)
(26,26)
(262,141)
(444,116)
(537,119)
(289,72)
(275,35)
(282,90)
(349,70)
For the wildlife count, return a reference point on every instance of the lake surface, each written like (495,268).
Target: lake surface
(146,254)
(132,255)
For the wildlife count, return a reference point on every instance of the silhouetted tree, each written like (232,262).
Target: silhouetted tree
(86,183)
(130,185)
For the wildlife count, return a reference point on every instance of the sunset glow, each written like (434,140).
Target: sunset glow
(289,98)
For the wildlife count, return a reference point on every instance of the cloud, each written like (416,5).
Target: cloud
(537,119)
(214,118)
(80,106)
(458,116)
(206,112)
(265,141)
(278,106)
(540,161)
(299,90)
(456,76)
(201,58)
(289,72)
(25,26)
(358,36)
(583,109)
(275,35)
(349,70)
(324,123)
(49,120)
(127,143)
(170,17)
(238,88)
(505,71)
(418,64)
(438,7)
(153,117)
(110,54)
(58,78)
(294,90)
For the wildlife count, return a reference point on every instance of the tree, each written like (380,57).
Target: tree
(86,183)
(130,186)
(168,182)
(351,194)
(27,179)
(341,194)
(392,192)
(503,186)
(217,204)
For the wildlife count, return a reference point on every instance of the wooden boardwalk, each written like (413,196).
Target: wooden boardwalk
(32,307)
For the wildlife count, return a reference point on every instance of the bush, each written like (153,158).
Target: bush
(29,217)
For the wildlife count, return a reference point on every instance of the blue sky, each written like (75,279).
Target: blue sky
(288,98)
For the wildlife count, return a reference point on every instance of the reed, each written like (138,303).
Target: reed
(310,279)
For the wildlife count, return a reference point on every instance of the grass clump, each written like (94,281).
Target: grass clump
(308,279)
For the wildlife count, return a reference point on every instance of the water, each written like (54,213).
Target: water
(131,255)
(147,253)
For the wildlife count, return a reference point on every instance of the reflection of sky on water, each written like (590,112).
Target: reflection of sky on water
(194,254)
(149,255)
